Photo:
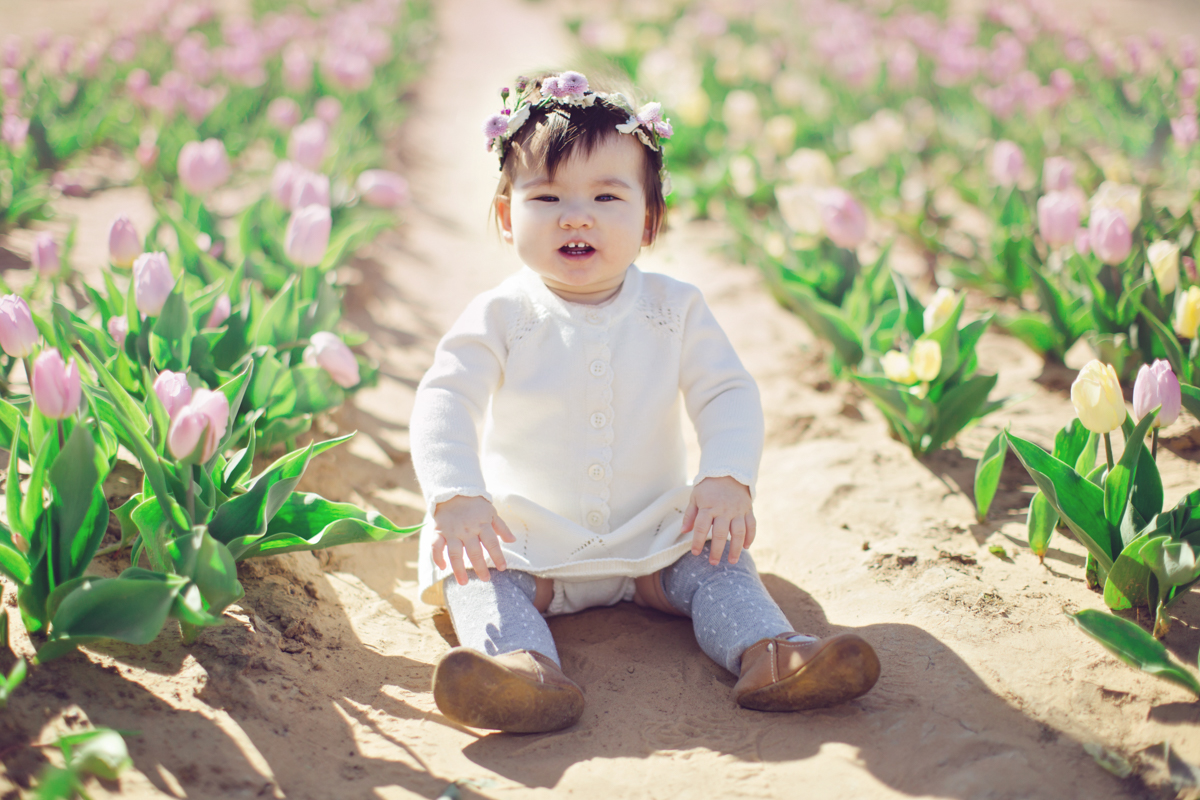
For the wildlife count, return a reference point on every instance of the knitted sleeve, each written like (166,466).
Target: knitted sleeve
(451,401)
(721,398)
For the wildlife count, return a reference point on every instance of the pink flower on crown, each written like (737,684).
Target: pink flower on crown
(550,88)
(572,83)
(495,125)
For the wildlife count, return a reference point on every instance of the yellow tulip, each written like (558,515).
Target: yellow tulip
(940,308)
(897,367)
(1187,313)
(1096,395)
(926,359)
(1164,262)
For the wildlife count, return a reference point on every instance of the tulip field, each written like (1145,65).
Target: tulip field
(955,244)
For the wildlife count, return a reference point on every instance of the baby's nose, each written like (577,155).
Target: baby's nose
(575,217)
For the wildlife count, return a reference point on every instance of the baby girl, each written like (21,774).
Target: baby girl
(548,443)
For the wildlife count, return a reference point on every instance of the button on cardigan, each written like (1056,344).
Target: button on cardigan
(569,419)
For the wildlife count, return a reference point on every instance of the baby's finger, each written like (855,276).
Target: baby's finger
(720,530)
(737,538)
(456,561)
(751,528)
(689,516)
(439,551)
(475,553)
(492,545)
(501,528)
(700,531)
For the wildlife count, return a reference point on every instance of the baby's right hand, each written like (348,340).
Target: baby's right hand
(470,524)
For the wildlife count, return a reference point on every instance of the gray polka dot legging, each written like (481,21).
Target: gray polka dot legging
(728,604)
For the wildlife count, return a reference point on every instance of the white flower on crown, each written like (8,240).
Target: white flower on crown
(518,118)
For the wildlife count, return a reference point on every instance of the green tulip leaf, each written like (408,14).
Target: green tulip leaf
(1119,482)
(13,565)
(957,408)
(239,465)
(1128,642)
(1180,364)
(1190,396)
(129,610)
(987,474)
(1078,502)
(11,419)
(1127,584)
(1040,524)
(1071,440)
(100,752)
(208,563)
(1034,331)
(823,318)
(310,522)
(1174,563)
(1086,461)
(12,489)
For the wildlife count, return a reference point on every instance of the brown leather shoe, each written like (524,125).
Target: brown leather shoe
(780,675)
(521,692)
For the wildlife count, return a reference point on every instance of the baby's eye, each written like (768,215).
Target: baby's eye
(548,198)
(607,197)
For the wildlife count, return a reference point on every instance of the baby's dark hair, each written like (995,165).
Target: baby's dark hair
(553,134)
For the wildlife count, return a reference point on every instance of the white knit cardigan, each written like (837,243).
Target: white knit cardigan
(568,418)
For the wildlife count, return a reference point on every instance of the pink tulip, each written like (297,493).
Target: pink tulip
(124,244)
(1189,267)
(221,311)
(203,166)
(45,254)
(1186,130)
(1109,235)
(1083,241)
(1157,385)
(14,130)
(18,334)
(297,69)
(328,109)
(1007,163)
(308,143)
(205,415)
(307,235)
(173,391)
(844,220)
(147,154)
(1058,218)
(348,70)
(283,113)
(331,354)
(152,282)
(56,389)
(10,83)
(118,329)
(283,181)
(1058,174)
(309,188)
(137,83)
(382,189)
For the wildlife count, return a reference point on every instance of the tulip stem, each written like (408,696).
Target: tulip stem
(29,374)
(191,494)
(61,441)
(1108,451)
(1154,444)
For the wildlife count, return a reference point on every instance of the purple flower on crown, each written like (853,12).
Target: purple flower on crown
(572,83)
(650,117)
(550,88)
(496,125)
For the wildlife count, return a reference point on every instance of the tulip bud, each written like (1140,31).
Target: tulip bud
(1124,197)
(1109,235)
(118,329)
(331,354)
(283,113)
(45,254)
(1189,267)
(308,143)
(1058,218)
(844,220)
(382,189)
(1164,263)
(1096,395)
(1187,313)
(203,166)
(328,109)
(207,414)
(146,154)
(14,130)
(799,207)
(297,69)
(1058,174)
(1007,162)
(926,359)
(1083,241)
(897,367)
(152,282)
(309,188)
(173,391)
(940,307)
(1156,386)
(124,244)
(220,312)
(307,235)
(56,389)
(18,334)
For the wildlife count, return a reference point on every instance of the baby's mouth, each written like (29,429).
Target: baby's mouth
(576,248)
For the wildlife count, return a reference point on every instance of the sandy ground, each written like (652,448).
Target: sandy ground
(318,687)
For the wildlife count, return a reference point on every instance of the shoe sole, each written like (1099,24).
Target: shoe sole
(472,689)
(844,669)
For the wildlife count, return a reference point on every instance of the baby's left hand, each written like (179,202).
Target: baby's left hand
(723,505)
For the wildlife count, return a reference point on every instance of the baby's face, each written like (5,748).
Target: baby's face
(581,231)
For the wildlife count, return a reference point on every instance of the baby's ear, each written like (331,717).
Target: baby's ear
(504,217)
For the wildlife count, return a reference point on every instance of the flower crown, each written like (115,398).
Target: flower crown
(570,89)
